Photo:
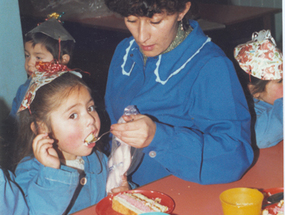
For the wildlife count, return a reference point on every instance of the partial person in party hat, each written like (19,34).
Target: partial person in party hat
(47,42)
(59,171)
(263,63)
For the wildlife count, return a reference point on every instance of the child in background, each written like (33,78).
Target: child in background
(12,200)
(47,42)
(263,62)
(59,172)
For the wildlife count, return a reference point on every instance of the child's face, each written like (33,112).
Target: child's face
(35,54)
(273,91)
(73,121)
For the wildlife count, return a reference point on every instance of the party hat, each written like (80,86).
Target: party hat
(46,72)
(260,57)
(53,28)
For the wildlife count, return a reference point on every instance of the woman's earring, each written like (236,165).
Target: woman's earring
(181,26)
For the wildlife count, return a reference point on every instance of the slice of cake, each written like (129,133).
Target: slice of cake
(276,210)
(89,139)
(136,203)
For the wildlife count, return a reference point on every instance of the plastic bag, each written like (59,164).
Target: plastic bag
(72,8)
(122,156)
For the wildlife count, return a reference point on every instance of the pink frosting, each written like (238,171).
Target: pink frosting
(278,209)
(138,204)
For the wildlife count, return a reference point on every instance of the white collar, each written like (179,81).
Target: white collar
(78,163)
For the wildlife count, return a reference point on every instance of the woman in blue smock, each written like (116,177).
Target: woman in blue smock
(194,121)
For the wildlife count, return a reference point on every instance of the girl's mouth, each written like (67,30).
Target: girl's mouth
(91,145)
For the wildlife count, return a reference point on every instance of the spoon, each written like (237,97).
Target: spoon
(275,198)
(98,138)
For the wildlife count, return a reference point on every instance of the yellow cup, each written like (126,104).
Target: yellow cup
(241,201)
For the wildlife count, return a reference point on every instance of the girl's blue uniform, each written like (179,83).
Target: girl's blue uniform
(21,92)
(50,191)
(12,200)
(269,123)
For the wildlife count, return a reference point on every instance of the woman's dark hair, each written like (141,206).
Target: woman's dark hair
(48,98)
(147,8)
(52,45)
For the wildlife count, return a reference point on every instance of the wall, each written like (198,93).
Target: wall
(11,54)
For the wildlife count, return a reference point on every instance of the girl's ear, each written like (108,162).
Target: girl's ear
(65,59)
(251,88)
(187,8)
(39,128)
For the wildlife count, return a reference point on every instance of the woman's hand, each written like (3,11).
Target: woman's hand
(44,151)
(137,132)
(124,186)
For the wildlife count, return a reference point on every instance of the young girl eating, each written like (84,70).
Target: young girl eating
(59,172)
(264,65)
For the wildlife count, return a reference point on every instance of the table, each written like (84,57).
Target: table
(267,172)
(117,23)
(240,22)
(232,14)
(219,15)
(227,25)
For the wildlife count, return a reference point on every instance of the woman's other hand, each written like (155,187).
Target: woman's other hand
(44,151)
(138,131)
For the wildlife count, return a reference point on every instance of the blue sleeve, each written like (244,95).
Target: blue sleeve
(47,190)
(21,92)
(269,124)
(12,200)
(217,148)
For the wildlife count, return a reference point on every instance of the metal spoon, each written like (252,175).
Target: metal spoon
(275,198)
(98,138)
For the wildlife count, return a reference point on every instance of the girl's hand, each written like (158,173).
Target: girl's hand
(44,151)
(137,132)
(124,187)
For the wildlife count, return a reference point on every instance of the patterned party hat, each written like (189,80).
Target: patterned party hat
(46,72)
(260,57)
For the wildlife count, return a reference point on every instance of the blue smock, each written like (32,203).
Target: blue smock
(195,98)
(269,123)
(12,200)
(49,190)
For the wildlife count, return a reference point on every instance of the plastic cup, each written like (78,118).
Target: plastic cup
(241,201)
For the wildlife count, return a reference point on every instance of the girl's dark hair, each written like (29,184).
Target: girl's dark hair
(258,85)
(48,98)
(147,8)
(4,158)
(52,45)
